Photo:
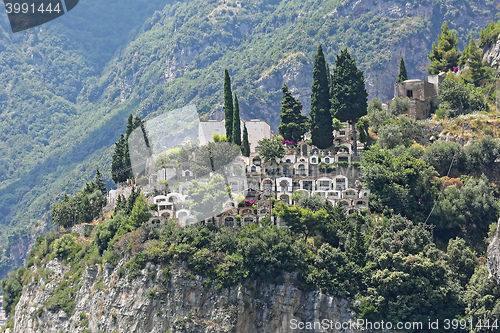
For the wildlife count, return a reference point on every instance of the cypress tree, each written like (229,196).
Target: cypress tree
(236,135)
(328,76)
(130,125)
(445,55)
(121,166)
(118,164)
(228,105)
(403,75)
(472,57)
(293,124)
(100,185)
(349,101)
(246,145)
(321,119)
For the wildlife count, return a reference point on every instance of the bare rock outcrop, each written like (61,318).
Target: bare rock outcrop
(494,257)
(178,302)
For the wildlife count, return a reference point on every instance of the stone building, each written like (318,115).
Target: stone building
(423,95)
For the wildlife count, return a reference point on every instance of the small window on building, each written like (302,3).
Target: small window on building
(409,93)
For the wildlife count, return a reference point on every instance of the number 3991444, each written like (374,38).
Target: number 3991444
(32,8)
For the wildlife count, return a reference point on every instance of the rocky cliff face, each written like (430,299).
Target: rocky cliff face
(178,302)
(492,54)
(494,257)
(17,251)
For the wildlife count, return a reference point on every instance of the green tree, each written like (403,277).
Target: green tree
(399,184)
(302,220)
(62,213)
(119,170)
(399,105)
(12,288)
(445,55)
(309,201)
(293,124)
(207,199)
(363,126)
(65,247)
(219,138)
(134,194)
(470,209)
(333,273)
(481,155)
(357,248)
(321,119)
(121,166)
(246,144)
(214,157)
(472,57)
(349,100)
(489,35)
(459,97)
(228,106)
(403,75)
(376,113)
(105,232)
(407,278)
(482,297)
(390,136)
(140,212)
(461,260)
(441,154)
(271,150)
(338,226)
(236,133)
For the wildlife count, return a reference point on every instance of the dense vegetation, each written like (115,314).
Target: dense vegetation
(390,266)
(69,86)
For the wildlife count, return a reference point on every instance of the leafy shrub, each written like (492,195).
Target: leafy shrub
(135,265)
(489,35)
(106,231)
(399,105)
(441,154)
(333,273)
(12,288)
(65,247)
(459,97)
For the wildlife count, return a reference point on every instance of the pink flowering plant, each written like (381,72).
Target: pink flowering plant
(287,142)
(250,202)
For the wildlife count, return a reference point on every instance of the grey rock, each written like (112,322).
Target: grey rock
(494,257)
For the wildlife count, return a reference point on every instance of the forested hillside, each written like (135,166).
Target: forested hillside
(67,87)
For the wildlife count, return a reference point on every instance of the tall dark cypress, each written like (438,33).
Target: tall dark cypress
(236,135)
(349,101)
(121,166)
(246,144)
(130,125)
(321,118)
(118,169)
(403,75)
(228,105)
(293,124)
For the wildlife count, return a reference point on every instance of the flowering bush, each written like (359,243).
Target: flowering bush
(250,202)
(287,142)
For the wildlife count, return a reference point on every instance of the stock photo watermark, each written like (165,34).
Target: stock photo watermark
(26,14)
